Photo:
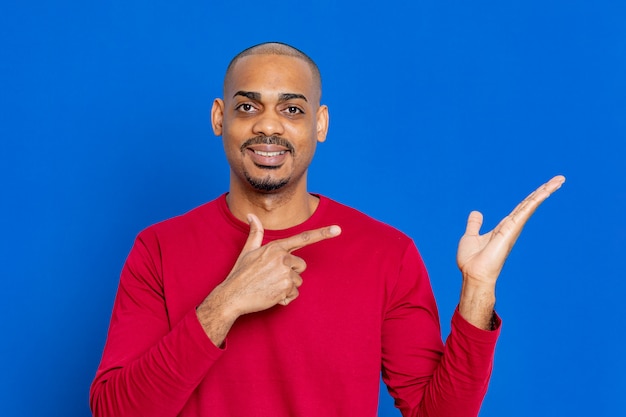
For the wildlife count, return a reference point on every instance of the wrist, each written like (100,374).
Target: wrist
(216,315)
(477,303)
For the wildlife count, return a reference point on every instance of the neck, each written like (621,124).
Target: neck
(279,210)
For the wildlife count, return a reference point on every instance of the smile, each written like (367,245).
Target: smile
(269,154)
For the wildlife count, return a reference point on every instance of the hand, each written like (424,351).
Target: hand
(262,277)
(481,257)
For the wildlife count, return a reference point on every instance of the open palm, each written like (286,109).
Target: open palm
(481,257)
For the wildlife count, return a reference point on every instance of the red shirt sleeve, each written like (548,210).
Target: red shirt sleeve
(424,377)
(150,366)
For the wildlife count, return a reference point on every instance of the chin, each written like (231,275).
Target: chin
(267,185)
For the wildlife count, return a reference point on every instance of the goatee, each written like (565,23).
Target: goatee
(266,184)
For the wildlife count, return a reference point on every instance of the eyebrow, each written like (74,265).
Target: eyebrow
(291,96)
(252,95)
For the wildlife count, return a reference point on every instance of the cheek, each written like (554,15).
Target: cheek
(233,137)
(305,153)
(304,137)
(231,150)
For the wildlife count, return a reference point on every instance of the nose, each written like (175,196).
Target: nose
(268,124)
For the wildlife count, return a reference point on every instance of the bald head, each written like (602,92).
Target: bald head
(277,48)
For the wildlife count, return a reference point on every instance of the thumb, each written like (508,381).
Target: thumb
(255,238)
(474,221)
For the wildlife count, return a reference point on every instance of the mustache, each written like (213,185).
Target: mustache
(268,140)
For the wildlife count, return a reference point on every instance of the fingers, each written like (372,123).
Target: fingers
(309,237)
(255,238)
(291,293)
(285,301)
(515,221)
(527,207)
(269,274)
(554,183)
(295,263)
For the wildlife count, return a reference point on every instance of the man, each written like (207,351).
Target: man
(271,301)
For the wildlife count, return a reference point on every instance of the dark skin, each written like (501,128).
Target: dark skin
(270,95)
(266,95)
(276,96)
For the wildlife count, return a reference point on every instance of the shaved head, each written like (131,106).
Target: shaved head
(277,48)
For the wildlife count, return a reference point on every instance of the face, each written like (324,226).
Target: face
(270,121)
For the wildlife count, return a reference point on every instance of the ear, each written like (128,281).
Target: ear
(322,123)
(217,116)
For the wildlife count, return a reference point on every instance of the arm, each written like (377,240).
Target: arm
(425,380)
(151,367)
(148,367)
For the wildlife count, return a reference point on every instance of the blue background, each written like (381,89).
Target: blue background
(437,108)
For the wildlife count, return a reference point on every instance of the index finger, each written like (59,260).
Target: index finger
(308,238)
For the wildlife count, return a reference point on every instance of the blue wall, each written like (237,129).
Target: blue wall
(437,108)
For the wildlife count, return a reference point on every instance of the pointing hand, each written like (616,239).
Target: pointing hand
(263,276)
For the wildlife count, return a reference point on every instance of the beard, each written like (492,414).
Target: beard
(267,184)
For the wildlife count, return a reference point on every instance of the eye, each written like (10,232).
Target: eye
(245,107)
(294,110)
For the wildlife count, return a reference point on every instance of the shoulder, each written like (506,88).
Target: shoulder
(356,223)
(374,248)
(195,219)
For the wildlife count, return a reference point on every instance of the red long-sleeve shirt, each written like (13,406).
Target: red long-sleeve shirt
(365,304)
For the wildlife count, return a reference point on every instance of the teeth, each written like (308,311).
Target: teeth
(269,154)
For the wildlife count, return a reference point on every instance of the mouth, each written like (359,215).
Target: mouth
(267,156)
(268,152)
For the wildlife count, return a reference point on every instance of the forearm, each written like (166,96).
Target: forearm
(477,303)
(460,381)
(158,382)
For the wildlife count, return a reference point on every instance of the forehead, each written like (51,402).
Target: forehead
(270,73)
